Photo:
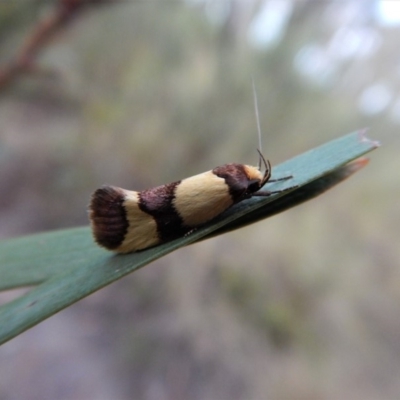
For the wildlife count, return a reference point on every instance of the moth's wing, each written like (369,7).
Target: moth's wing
(118,223)
(201,198)
(126,221)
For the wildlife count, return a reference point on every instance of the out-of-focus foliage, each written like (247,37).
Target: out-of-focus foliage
(142,93)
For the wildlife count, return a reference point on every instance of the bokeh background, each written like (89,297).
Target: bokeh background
(305,305)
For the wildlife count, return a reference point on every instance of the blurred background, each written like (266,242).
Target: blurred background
(305,305)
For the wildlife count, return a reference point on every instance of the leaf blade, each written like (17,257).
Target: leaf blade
(82,268)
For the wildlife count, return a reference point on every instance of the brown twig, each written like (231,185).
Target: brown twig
(25,60)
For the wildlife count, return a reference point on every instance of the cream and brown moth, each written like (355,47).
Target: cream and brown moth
(126,221)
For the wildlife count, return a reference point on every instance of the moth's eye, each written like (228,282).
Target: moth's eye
(253,186)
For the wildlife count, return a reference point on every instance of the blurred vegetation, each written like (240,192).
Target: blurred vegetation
(139,93)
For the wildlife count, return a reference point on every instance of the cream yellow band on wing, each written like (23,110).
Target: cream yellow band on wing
(202,197)
(142,230)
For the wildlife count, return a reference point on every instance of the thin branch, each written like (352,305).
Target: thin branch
(25,60)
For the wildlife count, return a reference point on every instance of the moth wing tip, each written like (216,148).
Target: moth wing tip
(107,216)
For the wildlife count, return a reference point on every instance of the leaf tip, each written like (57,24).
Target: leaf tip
(362,137)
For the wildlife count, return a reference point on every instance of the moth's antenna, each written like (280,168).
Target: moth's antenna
(257,119)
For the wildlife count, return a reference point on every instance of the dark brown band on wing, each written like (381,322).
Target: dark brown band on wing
(235,177)
(158,202)
(108,216)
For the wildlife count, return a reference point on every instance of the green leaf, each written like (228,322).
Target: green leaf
(70,266)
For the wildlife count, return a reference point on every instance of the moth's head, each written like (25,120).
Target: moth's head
(256,178)
(243,180)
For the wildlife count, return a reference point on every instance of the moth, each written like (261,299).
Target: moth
(126,221)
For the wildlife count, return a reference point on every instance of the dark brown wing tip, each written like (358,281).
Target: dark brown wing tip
(108,216)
